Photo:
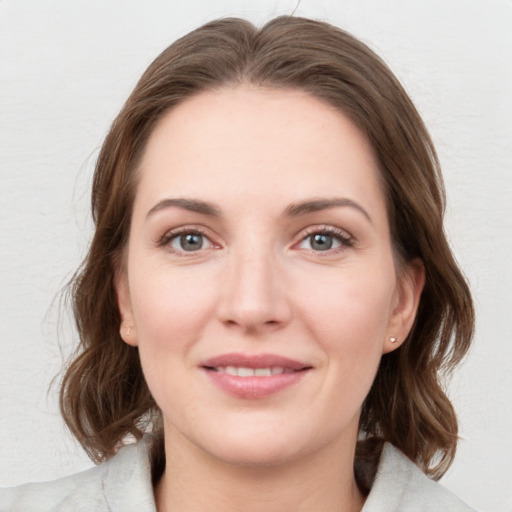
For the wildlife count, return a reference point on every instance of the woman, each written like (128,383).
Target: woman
(269,298)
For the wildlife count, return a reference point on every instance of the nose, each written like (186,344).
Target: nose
(254,298)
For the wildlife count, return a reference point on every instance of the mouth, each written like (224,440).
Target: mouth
(244,371)
(254,376)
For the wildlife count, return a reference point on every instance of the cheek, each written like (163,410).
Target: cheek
(349,317)
(170,312)
(348,321)
(168,302)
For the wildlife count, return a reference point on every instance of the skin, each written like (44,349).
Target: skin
(259,284)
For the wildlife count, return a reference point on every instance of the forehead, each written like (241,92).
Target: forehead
(250,142)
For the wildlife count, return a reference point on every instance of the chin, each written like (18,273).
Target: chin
(254,455)
(253,445)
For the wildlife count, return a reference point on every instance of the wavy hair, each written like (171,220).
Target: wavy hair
(104,397)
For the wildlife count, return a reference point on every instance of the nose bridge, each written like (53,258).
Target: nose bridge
(254,295)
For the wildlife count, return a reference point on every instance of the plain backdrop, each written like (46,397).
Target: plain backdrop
(65,69)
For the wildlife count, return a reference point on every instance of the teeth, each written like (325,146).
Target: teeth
(230,370)
(262,372)
(246,372)
(241,371)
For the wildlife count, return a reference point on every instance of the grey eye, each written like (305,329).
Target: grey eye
(188,242)
(321,242)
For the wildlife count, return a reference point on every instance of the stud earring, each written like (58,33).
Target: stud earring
(392,339)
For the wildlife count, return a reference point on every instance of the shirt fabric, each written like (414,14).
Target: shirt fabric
(123,484)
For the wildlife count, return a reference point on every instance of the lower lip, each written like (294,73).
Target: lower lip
(254,387)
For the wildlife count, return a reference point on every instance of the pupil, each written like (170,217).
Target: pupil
(191,242)
(321,242)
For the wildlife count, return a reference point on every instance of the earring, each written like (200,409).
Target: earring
(392,339)
(128,330)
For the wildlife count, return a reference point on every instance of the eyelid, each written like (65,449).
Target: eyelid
(166,239)
(346,239)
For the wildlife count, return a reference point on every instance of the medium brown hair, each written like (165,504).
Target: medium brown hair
(104,397)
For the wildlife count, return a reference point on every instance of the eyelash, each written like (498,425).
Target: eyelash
(345,240)
(340,235)
(170,236)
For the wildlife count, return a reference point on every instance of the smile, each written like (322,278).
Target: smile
(243,371)
(254,376)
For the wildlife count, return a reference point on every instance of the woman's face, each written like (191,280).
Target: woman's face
(260,285)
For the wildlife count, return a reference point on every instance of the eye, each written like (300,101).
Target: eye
(186,241)
(323,240)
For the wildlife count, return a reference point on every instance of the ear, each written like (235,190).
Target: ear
(127,329)
(409,287)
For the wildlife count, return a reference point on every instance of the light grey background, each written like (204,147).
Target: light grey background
(65,69)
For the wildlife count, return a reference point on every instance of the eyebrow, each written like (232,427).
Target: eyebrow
(316,205)
(293,210)
(192,205)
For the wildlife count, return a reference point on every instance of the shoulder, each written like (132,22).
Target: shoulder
(401,486)
(121,484)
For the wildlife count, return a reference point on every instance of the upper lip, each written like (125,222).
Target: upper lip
(254,361)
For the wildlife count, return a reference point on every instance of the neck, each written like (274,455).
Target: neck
(194,480)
